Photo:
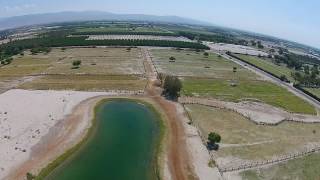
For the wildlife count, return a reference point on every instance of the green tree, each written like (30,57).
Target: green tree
(172,58)
(206,54)
(76,63)
(172,87)
(214,138)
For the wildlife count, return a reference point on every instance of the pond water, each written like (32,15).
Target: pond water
(122,145)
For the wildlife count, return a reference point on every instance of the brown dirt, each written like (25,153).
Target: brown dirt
(178,157)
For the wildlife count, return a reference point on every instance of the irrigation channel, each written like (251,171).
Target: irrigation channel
(123,144)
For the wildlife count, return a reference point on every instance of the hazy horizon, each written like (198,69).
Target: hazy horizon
(289,19)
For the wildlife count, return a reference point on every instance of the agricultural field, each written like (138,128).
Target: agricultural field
(268,65)
(305,168)
(195,64)
(138,37)
(98,61)
(100,69)
(118,28)
(213,76)
(243,139)
(261,91)
(86,83)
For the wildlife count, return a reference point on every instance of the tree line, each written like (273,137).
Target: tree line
(55,40)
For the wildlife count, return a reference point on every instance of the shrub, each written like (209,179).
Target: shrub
(76,63)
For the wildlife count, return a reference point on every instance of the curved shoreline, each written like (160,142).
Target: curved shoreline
(43,166)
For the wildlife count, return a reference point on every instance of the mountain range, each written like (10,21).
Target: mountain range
(69,16)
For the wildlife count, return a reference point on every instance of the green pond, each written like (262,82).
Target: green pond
(122,146)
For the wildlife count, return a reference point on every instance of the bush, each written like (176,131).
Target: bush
(172,58)
(214,138)
(76,63)
(30,176)
(206,54)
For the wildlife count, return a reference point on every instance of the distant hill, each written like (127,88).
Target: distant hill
(47,18)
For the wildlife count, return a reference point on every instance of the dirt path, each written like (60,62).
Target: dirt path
(179,164)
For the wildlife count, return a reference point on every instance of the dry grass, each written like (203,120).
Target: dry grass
(191,63)
(305,168)
(268,141)
(98,61)
(86,83)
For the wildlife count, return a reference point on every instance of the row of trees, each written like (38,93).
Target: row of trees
(124,33)
(307,80)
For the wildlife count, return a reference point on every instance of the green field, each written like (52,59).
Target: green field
(305,168)
(253,90)
(191,63)
(243,139)
(268,65)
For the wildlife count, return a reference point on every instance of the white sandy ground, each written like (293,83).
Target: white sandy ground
(26,117)
(198,153)
(236,49)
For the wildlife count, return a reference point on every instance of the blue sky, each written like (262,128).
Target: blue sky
(296,20)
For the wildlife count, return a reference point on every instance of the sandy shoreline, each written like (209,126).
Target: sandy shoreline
(38,135)
(29,131)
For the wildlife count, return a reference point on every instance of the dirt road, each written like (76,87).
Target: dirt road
(179,164)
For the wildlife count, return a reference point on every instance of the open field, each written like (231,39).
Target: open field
(101,69)
(97,61)
(237,49)
(243,139)
(93,61)
(123,29)
(27,65)
(246,90)
(138,37)
(86,83)
(191,63)
(267,65)
(305,168)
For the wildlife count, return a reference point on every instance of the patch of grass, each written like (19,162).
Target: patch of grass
(268,65)
(305,168)
(191,63)
(314,91)
(86,83)
(256,90)
(248,140)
